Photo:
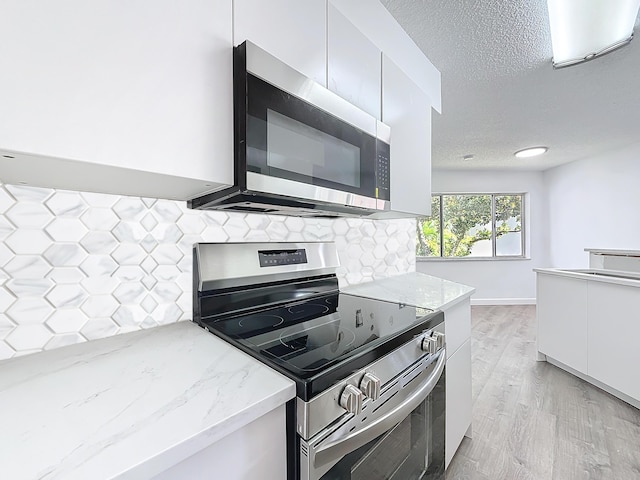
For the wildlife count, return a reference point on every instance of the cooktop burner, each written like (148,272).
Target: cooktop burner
(307,309)
(255,322)
(270,320)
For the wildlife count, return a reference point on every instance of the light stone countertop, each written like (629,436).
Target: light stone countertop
(622,253)
(415,289)
(619,277)
(128,406)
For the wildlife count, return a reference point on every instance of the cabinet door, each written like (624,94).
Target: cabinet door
(145,86)
(407,110)
(459,399)
(293,31)
(562,320)
(256,451)
(614,330)
(457,324)
(353,64)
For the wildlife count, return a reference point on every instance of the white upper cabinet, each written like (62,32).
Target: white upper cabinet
(136,98)
(293,31)
(407,110)
(378,25)
(142,87)
(353,63)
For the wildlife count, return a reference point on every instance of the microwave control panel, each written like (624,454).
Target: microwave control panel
(383,182)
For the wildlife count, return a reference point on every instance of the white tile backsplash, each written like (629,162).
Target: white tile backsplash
(77,266)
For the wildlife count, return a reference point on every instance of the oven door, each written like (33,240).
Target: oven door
(400,436)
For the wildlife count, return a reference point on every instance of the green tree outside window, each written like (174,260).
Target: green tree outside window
(471,225)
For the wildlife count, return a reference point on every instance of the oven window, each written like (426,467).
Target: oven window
(412,450)
(301,149)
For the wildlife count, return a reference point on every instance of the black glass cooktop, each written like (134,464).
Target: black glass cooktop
(321,340)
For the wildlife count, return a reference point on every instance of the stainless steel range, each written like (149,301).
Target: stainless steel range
(369,374)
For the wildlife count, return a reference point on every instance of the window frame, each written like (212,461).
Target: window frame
(493,195)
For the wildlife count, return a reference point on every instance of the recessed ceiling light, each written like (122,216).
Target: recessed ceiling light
(530,152)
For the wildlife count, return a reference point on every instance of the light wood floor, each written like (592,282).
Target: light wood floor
(532,420)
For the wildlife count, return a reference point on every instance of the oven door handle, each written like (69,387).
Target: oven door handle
(339,448)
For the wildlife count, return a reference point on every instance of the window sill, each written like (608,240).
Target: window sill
(471,259)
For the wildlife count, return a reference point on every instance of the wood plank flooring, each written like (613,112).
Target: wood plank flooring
(533,421)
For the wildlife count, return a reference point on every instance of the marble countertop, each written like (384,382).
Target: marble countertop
(622,253)
(415,289)
(128,406)
(619,277)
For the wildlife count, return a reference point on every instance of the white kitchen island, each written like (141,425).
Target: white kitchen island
(174,402)
(588,325)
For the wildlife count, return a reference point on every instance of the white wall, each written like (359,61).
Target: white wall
(594,203)
(497,281)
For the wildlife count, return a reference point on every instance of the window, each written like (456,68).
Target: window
(472,225)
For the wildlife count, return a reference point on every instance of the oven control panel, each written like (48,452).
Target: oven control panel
(370,386)
(351,399)
(431,342)
(273,258)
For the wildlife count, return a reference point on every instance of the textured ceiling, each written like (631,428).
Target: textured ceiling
(500,93)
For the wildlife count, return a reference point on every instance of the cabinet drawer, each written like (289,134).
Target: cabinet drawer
(457,324)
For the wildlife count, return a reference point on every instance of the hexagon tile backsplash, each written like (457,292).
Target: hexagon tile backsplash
(78,266)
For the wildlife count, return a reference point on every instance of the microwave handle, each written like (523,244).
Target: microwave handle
(337,449)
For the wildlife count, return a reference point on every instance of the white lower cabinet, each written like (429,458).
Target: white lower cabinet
(614,330)
(257,450)
(562,320)
(591,327)
(458,387)
(457,321)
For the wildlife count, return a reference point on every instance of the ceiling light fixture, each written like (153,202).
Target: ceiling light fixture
(584,30)
(530,152)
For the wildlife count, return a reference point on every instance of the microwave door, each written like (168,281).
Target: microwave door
(290,139)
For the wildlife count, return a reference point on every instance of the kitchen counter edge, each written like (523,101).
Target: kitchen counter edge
(416,289)
(129,406)
(582,274)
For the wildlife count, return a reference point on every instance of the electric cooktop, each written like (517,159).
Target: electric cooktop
(322,339)
(281,303)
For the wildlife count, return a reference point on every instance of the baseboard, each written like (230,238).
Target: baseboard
(503,301)
(603,386)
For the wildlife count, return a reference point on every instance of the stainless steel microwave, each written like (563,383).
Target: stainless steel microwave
(300,149)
